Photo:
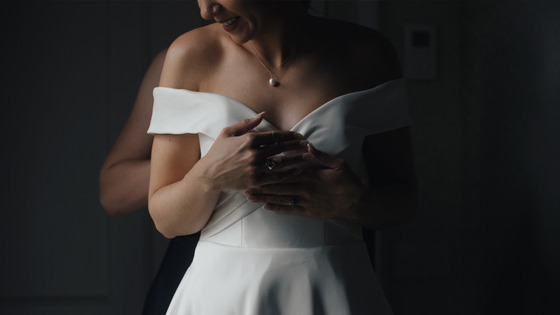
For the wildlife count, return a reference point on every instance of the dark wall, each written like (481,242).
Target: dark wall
(69,75)
(486,239)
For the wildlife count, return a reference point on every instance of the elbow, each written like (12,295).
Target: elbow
(117,202)
(107,197)
(112,212)
(170,231)
(164,229)
(170,227)
(167,233)
(112,205)
(109,204)
(159,223)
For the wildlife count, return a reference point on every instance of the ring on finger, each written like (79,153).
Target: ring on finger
(293,202)
(270,164)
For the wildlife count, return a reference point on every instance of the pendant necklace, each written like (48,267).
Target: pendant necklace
(272,81)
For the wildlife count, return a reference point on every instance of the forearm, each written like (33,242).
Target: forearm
(123,187)
(183,207)
(384,207)
(391,198)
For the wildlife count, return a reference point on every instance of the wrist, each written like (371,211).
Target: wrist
(200,174)
(358,197)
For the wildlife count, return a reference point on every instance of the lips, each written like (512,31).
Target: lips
(229,22)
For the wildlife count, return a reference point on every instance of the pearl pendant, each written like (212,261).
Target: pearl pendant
(272,82)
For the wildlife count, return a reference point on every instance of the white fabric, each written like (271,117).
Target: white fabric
(253,261)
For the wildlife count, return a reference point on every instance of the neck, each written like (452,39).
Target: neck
(278,42)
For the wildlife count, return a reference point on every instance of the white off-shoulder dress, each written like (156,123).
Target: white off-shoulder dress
(251,261)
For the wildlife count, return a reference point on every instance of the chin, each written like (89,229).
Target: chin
(239,40)
(240,36)
(242,33)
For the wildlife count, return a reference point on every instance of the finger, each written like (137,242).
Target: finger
(288,179)
(268,138)
(291,161)
(322,158)
(274,189)
(287,161)
(282,208)
(284,146)
(278,176)
(274,199)
(278,203)
(243,126)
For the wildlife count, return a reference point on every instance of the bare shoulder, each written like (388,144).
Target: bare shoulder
(159,59)
(363,51)
(191,58)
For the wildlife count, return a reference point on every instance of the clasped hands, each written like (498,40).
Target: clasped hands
(283,171)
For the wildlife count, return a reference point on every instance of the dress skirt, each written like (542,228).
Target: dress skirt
(330,280)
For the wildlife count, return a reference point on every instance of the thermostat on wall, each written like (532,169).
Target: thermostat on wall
(420,52)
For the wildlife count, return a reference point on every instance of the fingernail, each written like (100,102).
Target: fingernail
(304,143)
(299,135)
(260,114)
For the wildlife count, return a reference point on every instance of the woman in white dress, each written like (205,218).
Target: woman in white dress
(280,197)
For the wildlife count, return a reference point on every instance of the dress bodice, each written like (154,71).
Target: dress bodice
(337,127)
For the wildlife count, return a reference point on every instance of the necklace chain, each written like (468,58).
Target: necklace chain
(272,81)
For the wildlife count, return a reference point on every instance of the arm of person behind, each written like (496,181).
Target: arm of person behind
(391,196)
(331,191)
(124,176)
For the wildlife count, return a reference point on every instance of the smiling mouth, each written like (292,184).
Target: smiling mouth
(229,22)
